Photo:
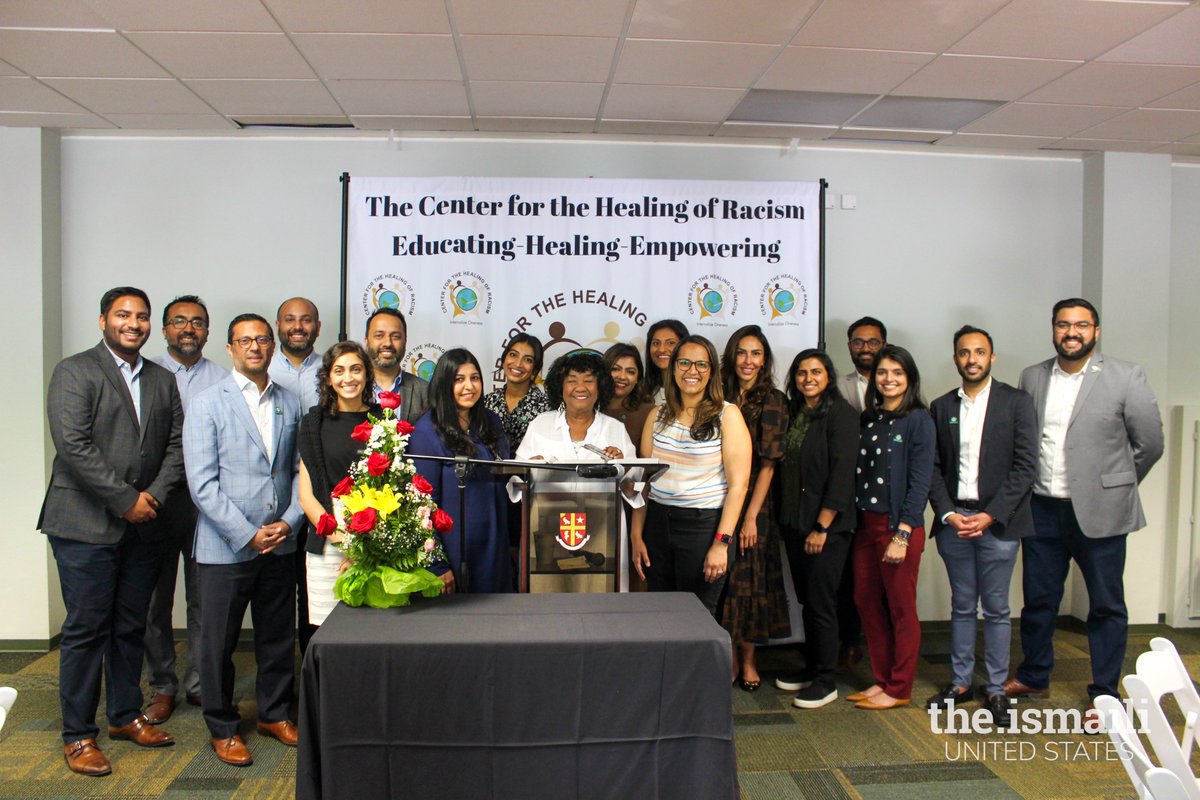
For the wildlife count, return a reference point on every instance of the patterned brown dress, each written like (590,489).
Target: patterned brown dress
(755,606)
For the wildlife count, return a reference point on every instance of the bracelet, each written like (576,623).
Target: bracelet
(902,541)
(902,534)
(723,538)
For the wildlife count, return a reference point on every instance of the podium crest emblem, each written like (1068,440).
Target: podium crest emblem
(572,530)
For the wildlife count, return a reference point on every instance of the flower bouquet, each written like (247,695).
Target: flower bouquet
(387,519)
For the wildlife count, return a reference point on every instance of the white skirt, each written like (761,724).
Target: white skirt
(322,572)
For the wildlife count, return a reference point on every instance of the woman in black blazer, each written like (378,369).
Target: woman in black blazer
(817,513)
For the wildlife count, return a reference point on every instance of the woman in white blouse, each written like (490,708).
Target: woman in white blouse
(578,386)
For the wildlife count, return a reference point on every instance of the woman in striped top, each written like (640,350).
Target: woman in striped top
(681,538)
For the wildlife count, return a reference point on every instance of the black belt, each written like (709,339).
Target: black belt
(969,505)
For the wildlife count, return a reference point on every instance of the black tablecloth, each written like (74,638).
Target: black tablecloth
(522,696)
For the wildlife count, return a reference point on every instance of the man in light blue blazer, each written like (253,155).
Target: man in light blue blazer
(239,443)
(1100,433)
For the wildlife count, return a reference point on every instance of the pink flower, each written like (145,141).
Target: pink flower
(429,545)
(389,400)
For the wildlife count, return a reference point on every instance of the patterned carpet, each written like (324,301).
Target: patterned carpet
(783,753)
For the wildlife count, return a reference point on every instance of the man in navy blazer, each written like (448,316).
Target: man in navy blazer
(1100,435)
(115,419)
(239,443)
(984,467)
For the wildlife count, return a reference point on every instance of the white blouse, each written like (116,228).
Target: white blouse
(549,436)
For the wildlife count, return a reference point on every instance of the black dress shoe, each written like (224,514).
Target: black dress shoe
(997,706)
(951,693)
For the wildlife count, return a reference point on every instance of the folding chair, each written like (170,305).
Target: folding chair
(1150,782)
(1158,674)
(8,696)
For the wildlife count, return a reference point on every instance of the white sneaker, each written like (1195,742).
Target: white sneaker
(793,683)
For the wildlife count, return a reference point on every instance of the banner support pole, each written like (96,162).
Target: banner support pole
(821,269)
(345,181)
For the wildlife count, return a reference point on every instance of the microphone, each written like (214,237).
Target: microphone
(597,470)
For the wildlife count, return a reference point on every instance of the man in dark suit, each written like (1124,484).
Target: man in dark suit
(984,467)
(116,422)
(386,340)
(1100,435)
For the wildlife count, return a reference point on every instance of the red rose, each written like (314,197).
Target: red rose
(404,428)
(363,521)
(362,432)
(344,487)
(442,521)
(326,525)
(378,463)
(389,400)
(421,485)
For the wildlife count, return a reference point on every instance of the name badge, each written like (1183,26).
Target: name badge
(953,421)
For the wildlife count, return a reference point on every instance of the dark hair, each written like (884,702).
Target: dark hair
(912,396)
(316,312)
(831,394)
(184,298)
(751,402)
(707,418)
(113,295)
(858,323)
(612,355)
(1075,302)
(390,312)
(653,374)
(329,397)
(251,317)
(444,412)
(584,363)
(966,329)
(535,344)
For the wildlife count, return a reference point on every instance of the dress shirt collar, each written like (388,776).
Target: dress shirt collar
(244,383)
(122,364)
(1057,371)
(980,396)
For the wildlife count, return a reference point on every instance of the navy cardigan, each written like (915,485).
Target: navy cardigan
(910,449)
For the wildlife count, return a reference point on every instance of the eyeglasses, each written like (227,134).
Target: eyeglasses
(179,323)
(1064,326)
(872,344)
(244,342)
(684,364)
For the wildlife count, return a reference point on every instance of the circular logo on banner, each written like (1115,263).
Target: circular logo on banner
(389,291)
(466,296)
(423,358)
(712,298)
(783,300)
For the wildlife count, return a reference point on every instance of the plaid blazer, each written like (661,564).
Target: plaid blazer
(103,456)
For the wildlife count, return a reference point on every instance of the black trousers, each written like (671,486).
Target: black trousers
(304,629)
(267,585)
(818,578)
(677,541)
(180,520)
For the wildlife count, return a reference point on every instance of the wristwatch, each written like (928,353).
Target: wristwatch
(819,528)
(723,538)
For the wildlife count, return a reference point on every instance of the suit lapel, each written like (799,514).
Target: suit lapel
(405,397)
(242,412)
(955,439)
(1041,383)
(146,389)
(113,374)
(276,422)
(1090,376)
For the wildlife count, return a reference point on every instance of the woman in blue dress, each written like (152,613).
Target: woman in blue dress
(457,424)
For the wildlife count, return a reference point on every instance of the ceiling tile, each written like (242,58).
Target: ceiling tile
(761,130)
(924,113)
(1180,149)
(76,54)
(234,97)
(1147,124)
(1193,139)
(292,121)
(835,69)
(1105,144)
(538,58)
(927,26)
(362,16)
(812,108)
(762,21)
(535,124)
(26,94)
(1069,29)
(402,98)
(662,61)
(210,15)
(1042,119)
(47,120)
(131,96)
(1115,84)
(384,123)
(49,14)
(641,127)
(1176,41)
(995,141)
(224,55)
(381,56)
(983,77)
(888,135)
(9,69)
(670,103)
(1184,98)
(176,122)
(545,17)
(521,99)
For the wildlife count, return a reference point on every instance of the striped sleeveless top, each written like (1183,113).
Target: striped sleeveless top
(696,474)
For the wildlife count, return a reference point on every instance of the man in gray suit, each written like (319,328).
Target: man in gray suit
(864,338)
(115,419)
(386,340)
(239,444)
(1100,433)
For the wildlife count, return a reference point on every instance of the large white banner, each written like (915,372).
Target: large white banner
(582,263)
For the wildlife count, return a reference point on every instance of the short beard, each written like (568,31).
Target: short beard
(1083,353)
(976,381)
(377,363)
(297,351)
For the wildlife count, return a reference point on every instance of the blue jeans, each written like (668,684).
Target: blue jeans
(980,570)
(1048,556)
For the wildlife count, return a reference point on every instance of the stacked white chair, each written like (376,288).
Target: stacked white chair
(1159,673)
(1150,782)
(8,696)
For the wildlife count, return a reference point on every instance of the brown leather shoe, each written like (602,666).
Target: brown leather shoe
(140,731)
(85,758)
(283,730)
(160,708)
(1014,688)
(232,751)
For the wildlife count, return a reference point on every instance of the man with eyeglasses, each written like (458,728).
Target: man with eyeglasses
(1100,433)
(864,338)
(239,448)
(185,327)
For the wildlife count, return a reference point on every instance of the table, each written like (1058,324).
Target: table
(530,696)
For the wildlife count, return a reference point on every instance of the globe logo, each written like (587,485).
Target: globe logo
(783,301)
(712,302)
(388,299)
(466,299)
(425,369)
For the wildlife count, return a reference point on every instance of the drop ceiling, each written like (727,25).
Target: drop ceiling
(1011,74)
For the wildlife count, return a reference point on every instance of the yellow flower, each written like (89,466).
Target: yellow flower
(384,500)
(356,501)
